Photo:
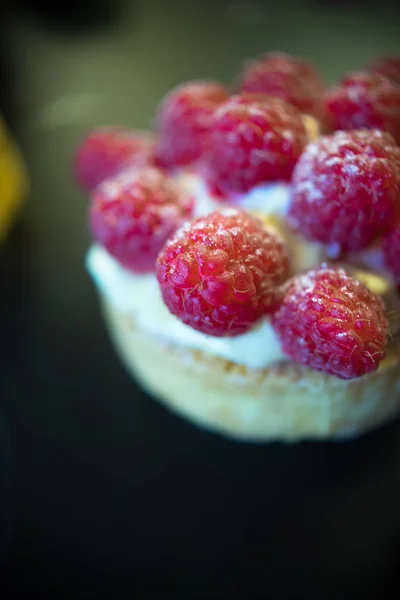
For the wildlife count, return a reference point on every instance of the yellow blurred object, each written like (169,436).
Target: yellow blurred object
(13,181)
(378,285)
(312,127)
(270,220)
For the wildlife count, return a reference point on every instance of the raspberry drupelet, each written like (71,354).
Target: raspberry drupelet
(220,273)
(346,189)
(183,121)
(292,79)
(133,215)
(364,100)
(332,323)
(106,152)
(253,139)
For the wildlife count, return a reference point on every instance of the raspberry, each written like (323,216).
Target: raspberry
(365,100)
(389,66)
(106,152)
(183,120)
(133,214)
(346,188)
(219,274)
(294,80)
(332,323)
(253,139)
(391,251)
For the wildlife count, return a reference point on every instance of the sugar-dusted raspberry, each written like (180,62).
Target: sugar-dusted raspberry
(253,139)
(346,188)
(183,120)
(332,323)
(365,100)
(133,214)
(219,274)
(389,66)
(391,251)
(106,152)
(292,79)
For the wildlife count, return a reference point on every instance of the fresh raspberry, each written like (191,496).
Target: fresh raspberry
(219,274)
(253,139)
(294,80)
(388,66)
(332,323)
(106,152)
(183,120)
(346,188)
(133,214)
(365,100)
(391,251)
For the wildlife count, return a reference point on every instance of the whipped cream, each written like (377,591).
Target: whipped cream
(192,184)
(140,296)
(269,198)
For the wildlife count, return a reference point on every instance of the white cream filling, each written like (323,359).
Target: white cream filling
(268,198)
(140,296)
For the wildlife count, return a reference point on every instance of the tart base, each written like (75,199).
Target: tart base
(286,402)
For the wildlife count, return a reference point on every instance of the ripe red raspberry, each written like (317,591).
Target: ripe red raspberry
(365,100)
(133,214)
(346,188)
(391,251)
(389,66)
(253,139)
(106,152)
(332,323)
(294,80)
(219,274)
(183,120)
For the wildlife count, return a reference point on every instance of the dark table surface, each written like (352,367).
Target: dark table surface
(103,493)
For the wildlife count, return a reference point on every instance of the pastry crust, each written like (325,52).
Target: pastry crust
(284,402)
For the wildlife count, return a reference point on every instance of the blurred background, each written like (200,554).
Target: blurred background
(105,494)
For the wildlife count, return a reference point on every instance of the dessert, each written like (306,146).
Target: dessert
(237,265)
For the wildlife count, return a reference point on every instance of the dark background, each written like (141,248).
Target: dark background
(104,494)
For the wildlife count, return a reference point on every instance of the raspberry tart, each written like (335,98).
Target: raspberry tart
(258,314)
